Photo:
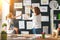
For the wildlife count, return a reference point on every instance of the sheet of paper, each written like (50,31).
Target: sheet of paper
(17,5)
(45,18)
(45,29)
(17,14)
(27,10)
(27,2)
(36,4)
(29,25)
(21,25)
(44,2)
(43,8)
(24,32)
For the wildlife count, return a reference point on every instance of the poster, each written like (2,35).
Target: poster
(17,5)
(45,18)
(18,13)
(43,8)
(44,2)
(21,25)
(29,24)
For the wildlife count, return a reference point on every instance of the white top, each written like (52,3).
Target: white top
(36,21)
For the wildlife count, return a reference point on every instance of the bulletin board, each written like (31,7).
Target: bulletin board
(45,12)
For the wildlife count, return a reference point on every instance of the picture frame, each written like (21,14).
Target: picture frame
(44,2)
(17,5)
(18,13)
(21,25)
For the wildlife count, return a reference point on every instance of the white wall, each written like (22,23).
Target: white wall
(5,9)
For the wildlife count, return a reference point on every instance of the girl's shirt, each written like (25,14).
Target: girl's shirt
(36,20)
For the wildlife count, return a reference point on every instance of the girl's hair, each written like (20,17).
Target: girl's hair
(37,10)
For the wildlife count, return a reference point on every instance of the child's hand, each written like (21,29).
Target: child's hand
(26,16)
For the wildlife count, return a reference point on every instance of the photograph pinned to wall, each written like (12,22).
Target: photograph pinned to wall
(18,13)
(29,24)
(36,4)
(45,29)
(44,2)
(21,25)
(27,2)
(45,18)
(17,5)
(43,8)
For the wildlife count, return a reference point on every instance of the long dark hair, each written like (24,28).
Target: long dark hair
(37,10)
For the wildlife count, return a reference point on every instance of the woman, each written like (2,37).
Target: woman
(10,18)
(36,18)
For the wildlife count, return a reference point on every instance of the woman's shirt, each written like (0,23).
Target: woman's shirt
(36,21)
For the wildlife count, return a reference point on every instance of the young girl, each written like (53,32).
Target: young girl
(10,18)
(36,19)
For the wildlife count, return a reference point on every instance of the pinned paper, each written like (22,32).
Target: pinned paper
(18,13)
(21,25)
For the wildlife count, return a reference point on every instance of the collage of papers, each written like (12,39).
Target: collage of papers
(27,10)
